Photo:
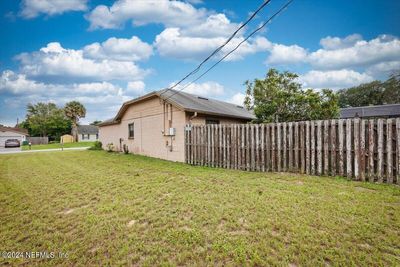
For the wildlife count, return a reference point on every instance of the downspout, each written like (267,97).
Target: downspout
(192,117)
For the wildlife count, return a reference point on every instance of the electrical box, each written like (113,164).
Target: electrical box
(171,131)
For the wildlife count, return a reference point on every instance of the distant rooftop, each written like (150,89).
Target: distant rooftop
(390,111)
(88,129)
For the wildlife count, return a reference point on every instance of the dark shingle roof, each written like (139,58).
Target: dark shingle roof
(392,110)
(88,129)
(191,103)
(14,129)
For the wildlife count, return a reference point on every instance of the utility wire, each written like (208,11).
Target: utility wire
(219,48)
(234,49)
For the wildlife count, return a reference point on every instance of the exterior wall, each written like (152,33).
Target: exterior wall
(10,135)
(201,120)
(150,123)
(92,138)
(149,140)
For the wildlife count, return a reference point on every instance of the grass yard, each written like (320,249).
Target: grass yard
(58,145)
(111,209)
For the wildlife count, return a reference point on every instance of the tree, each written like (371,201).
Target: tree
(373,93)
(279,97)
(96,122)
(46,119)
(74,111)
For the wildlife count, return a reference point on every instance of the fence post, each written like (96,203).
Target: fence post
(278,149)
(290,144)
(273,153)
(371,148)
(268,147)
(341,145)
(312,140)
(348,149)
(357,149)
(284,148)
(362,150)
(326,147)
(319,147)
(333,147)
(308,147)
(389,160)
(398,150)
(302,152)
(380,151)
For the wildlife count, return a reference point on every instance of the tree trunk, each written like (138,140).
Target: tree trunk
(74,132)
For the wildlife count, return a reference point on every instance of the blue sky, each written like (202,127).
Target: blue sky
(105,52)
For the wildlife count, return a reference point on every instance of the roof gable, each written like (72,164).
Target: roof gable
(14,130)
(88,129)
(188,102)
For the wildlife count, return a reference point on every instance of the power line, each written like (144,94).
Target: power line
(219,48)
(234,49)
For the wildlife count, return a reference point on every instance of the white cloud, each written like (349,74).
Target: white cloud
(283,54)
(171,43)
(216,25)
(237,99)
(169,13)
(377,56)
(209,89)
(54,61)
(136,88)
(336,79)
(384,68)
(101,99)
(19,84)
(362,53)
(120,49)
(334,43)
(33,8)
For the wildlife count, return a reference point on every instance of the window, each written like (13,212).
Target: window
(97,136)
(211,121)
(131,132)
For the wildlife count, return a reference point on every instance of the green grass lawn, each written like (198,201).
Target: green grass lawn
(109,209)
(58,145)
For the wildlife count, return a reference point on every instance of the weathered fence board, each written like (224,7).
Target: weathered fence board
(358,149)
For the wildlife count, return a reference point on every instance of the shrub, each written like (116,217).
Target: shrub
(97,146)
(110,147)
(25,143)
(126,149)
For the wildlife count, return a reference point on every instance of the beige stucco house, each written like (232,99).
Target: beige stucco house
(153,125)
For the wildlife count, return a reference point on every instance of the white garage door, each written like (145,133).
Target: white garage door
(4,138)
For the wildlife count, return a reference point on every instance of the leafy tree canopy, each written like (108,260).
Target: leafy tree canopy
(373,93)
(279,97)
(46,119)
(74,110)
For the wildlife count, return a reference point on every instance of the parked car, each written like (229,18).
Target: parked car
(12,143)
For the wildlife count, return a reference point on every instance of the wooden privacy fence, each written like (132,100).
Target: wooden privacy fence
(38,140)
(365,150)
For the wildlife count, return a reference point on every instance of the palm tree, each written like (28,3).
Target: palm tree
(74,111)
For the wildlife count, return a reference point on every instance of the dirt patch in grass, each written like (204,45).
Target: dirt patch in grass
(112,209)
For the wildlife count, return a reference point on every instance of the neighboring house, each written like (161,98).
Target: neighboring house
(88,133)
(12,133)
(381,111)
(154,124)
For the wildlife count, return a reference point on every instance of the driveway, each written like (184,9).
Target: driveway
(9,149)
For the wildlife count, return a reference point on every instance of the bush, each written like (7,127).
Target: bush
(126,149)
(110,147)
(97,146)
(25,143)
